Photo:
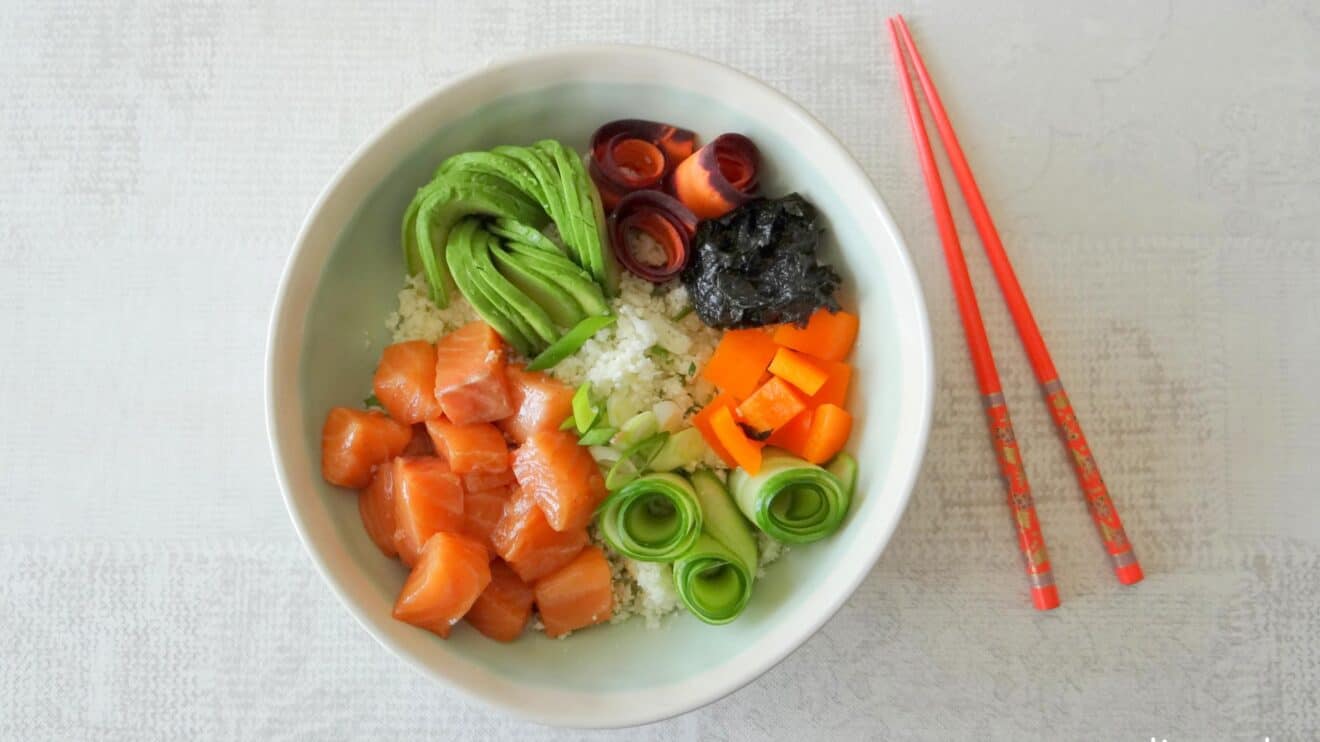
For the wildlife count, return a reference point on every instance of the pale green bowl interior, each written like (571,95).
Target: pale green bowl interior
(345,333)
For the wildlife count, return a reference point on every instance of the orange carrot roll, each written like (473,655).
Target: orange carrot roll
(631,155)
(720,177)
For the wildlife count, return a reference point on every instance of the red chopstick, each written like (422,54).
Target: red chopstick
(1044,593)
(1103,513)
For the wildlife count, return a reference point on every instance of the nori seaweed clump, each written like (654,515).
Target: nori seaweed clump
(757,266)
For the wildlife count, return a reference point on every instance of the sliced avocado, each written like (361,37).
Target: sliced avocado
(458,256)
(547,177)
(570,226)
(565,274)
(500,166)
(448,200)
(412,260)
(558,303)
(587,215)
(519,232)
(536,323)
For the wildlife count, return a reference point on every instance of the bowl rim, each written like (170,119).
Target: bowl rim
(667,705)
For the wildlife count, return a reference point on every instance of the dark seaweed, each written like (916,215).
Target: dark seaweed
(757,266)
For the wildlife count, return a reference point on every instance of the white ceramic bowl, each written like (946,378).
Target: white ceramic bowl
(341,280)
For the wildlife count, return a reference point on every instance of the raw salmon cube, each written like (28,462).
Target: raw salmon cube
(421,444)
(428,499)
(524,539)
(354,442)
(469,375)
(405,381)
(471,447)
(376,507)
(577,595)
(482,511)
(502,609)
(562,476)
(541,403)
(478,481)
(451,573)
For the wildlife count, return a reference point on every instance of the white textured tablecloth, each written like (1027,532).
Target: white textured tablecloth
(1154,167)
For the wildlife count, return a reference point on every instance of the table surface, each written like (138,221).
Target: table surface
(1155,170)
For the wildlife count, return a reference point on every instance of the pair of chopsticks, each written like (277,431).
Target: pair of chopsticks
(1044,593)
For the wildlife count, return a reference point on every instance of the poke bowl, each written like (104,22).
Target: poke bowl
(349,294)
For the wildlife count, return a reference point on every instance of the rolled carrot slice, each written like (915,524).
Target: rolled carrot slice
(651,233)
(632,154)
(720,177)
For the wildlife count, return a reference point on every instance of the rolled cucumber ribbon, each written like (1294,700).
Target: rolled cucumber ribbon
(793,500)
(654,518)
(712,581)
(714,577)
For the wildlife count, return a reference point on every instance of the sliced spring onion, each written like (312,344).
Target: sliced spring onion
(599,435)
(585,411)
(634,460)
(654,518)
(790,499)
(570,342)
(639,427)
(619,409)
(605,454)
(569,423)
(668,414)
(685,447)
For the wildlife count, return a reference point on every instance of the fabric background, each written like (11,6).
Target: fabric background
(1155,170)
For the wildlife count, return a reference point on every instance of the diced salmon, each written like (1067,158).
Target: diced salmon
(502,609)
(562,476)
(428,499)
(482,511)
(471,447)
(376,507)
(477,481)
(421,444)
(469,375)
(405,381)
(524,539)
(354,442)
(451,572)
(577,595)
(540,401)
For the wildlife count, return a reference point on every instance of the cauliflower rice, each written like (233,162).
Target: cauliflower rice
(649,357)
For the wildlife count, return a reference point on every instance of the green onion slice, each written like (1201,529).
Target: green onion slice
(570,342)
